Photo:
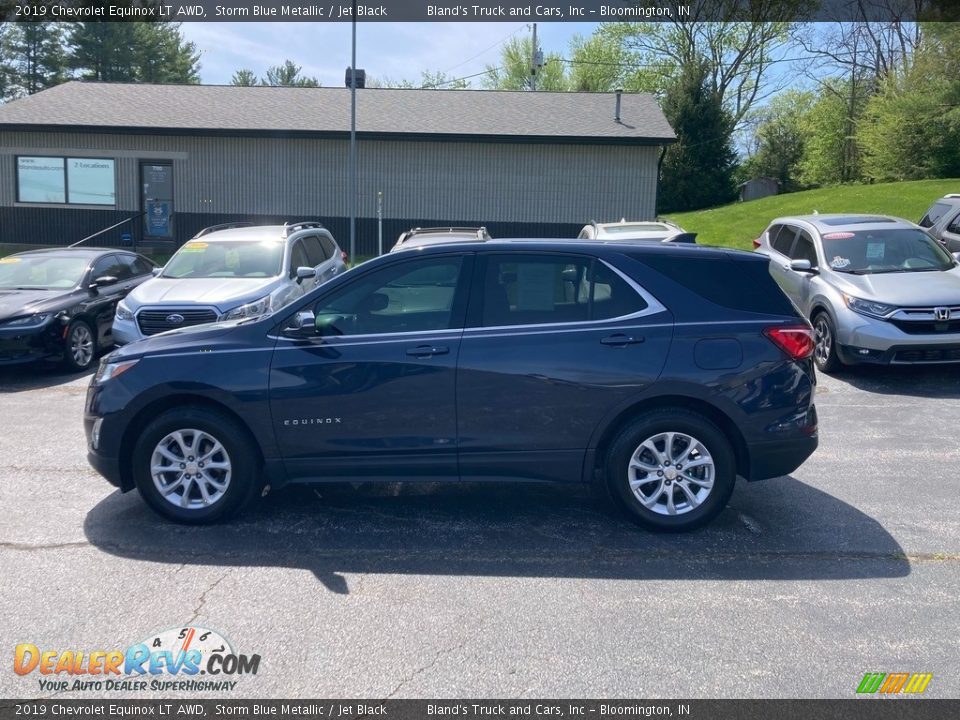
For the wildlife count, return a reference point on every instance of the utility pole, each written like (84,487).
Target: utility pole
(353,138)
(533,61)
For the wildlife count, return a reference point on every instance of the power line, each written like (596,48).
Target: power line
(496,44)
(465,77)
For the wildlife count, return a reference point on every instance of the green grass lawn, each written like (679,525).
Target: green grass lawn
(738,224)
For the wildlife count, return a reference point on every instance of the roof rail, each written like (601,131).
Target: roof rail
(289,227)
(222,226)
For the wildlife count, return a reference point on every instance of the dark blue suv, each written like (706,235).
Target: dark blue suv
(665,371)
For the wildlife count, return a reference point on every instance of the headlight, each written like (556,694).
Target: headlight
(868,307)
(109,370)
(31,321)
(123,312)
(254,309)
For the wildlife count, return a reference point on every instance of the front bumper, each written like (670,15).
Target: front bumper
(126,331)
(861,339)
(21,346)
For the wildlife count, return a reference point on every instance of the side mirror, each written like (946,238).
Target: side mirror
(303,273)
(802,266)
(956,256)
(156,271)
(101,281)
(303,324)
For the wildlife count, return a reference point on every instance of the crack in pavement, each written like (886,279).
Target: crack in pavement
(203,598)
(31,547)
(436,658)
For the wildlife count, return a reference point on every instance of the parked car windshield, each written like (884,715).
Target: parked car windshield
(225,259)
(865,252)
(43,272)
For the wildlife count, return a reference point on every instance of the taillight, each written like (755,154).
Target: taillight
(795,340)
(344,257)
(756,243)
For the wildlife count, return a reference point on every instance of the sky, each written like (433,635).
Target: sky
(385,50)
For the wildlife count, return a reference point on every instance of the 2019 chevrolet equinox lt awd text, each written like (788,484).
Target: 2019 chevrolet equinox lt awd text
(665,370)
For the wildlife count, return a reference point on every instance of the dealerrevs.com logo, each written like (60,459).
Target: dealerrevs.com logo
(180,659)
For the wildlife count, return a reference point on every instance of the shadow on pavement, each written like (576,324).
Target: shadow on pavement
(38,375)
(931,381)
(776,530)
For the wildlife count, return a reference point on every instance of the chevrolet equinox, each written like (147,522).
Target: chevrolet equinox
(664,371)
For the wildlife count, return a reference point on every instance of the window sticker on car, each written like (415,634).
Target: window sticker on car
(232,259)
(875,250)
(194,247)
(9,260)
(838,236)
(839,262)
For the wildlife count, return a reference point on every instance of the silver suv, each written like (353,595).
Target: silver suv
(227,272)
(877,289)
(942,220)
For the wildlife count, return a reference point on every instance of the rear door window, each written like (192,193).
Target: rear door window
(954,226)
(547,289)
(329,246)
(933,215)
(781,238)
(315,254)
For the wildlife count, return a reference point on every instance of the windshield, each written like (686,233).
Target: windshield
(225,259)
(42,272)
(865,252)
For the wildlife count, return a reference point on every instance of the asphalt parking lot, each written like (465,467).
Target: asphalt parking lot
(800,587)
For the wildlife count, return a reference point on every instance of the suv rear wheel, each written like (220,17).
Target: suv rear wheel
(194,466)
(671,470)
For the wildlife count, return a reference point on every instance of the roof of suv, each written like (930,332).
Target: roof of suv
(837,222)
(254,233)
(593,247)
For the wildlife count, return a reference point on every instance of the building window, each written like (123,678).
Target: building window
(66,181)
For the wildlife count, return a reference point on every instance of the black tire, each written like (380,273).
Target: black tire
(238,451)
(689,516)
(826,359)
(79,346)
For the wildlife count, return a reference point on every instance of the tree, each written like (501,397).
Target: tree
(911,126)
(288,75)
(601,63)
(163,56)
(104,51)
(697,169)
(513,72)
(244,78)
(830,152)
(36,56)
(7,72)
(738,56)
(133,52)
(429,80)
(779,139)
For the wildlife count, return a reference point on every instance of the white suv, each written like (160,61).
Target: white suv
(227,272)
(660,230)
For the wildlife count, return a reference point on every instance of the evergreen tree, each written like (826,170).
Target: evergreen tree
(36,56)
(244,78)
(152,52)
(698,169)
(7,72)
(288,75)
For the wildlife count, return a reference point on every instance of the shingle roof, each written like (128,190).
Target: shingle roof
(480,113)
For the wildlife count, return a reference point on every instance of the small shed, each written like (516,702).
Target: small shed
(759,188)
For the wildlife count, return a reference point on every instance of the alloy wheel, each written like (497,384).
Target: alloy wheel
(823,338)
(671,473)
(81,346)
(190,468)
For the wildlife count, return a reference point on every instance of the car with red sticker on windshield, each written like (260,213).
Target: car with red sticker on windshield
(877,289)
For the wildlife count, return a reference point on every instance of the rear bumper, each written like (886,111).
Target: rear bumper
(782,457)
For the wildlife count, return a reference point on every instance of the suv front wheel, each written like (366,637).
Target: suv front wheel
(671,470)
(195,466)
